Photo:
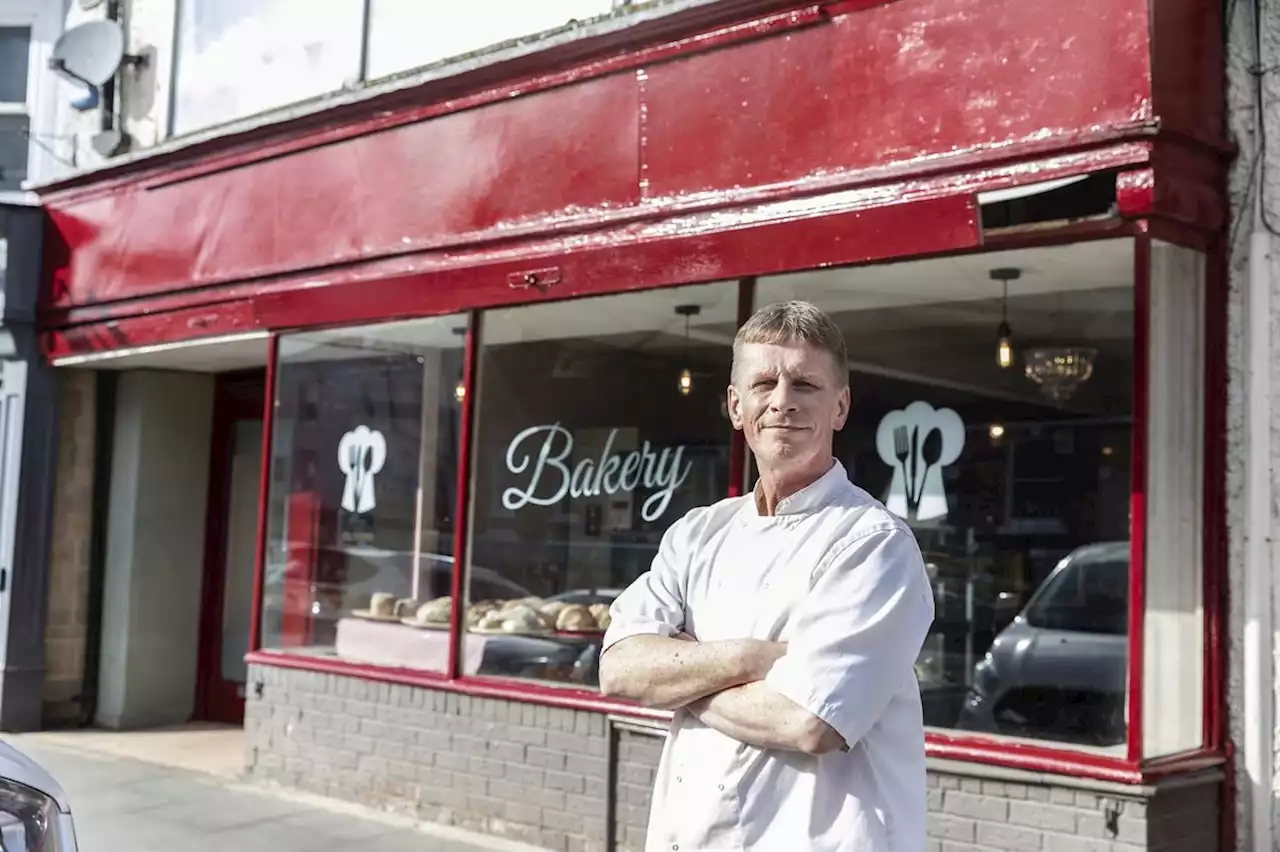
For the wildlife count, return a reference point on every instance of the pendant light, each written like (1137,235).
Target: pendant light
(686,376)
(1004,342)
(460,389)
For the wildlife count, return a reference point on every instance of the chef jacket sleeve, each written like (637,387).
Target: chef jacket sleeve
(654,603)
(855,640)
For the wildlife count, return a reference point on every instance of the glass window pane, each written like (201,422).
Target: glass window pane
(241,57)
(15,56)
(586,451)
(363,489)
(405,34)
(14,150)
(1015,479)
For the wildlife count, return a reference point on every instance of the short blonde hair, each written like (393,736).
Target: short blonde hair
(790,324)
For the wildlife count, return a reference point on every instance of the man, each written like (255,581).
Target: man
(782,628)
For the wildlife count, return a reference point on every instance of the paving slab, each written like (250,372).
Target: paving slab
(121,803)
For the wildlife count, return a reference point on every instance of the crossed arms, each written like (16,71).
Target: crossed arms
(721,683)
(853,643)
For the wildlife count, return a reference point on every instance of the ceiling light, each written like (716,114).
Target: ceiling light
(1060,370)
(1004,342)
(686,376)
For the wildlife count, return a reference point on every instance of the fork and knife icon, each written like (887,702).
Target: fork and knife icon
(916,460)
(917,442)
(361,455)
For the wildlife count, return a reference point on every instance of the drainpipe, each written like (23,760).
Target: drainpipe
(1259,680)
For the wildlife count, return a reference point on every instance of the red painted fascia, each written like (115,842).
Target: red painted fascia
(679,34)
(668,254)
(247,305)
(796,139)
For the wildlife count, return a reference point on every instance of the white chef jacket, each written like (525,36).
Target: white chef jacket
(842,581)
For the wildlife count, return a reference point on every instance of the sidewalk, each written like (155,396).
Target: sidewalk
(121,803)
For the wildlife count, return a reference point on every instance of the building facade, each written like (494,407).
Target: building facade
(397,355)
(32,150)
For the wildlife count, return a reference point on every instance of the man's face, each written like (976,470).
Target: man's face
(789,401)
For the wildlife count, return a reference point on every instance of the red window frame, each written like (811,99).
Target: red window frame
(1032,756)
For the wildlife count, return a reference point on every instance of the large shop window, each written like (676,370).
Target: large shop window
(364,469)
(994,409)
(1011,463)
(600,422)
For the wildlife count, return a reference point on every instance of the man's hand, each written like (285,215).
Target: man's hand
(668,673)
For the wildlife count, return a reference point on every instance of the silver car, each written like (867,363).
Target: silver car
(1058,671)
(35,815)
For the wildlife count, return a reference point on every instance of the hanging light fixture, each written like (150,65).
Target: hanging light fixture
(1059,370)
(460,389)
(686,382)
(686,376)
(1004,343)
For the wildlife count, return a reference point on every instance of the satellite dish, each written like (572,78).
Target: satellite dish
(89,54)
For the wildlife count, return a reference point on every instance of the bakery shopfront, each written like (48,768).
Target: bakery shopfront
(483,404)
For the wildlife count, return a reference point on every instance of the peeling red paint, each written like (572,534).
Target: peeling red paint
(907,94)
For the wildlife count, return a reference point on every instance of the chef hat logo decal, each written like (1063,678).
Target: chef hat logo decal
(361,454)
(917,442)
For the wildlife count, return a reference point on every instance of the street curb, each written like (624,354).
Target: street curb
(431,829)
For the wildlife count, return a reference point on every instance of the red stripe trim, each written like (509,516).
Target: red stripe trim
(461,541)
(1138,490)
(264,494)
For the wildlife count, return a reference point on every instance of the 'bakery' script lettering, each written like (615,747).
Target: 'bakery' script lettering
(551,476)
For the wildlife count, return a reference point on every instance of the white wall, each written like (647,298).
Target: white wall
(155,548)
(1253,522)
(145,90)
(265,61)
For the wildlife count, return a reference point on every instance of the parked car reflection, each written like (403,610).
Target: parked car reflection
(1059,670)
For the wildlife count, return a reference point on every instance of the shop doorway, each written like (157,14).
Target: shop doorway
(230,545)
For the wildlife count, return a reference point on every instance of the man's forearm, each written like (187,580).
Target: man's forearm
(668,673)
(757,715)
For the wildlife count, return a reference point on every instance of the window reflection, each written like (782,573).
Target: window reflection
(599,422)
(1013,480)
(587,449)
(364,472)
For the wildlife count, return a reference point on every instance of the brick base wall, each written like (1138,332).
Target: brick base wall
(573,781)
(1019,811)
(637,762)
